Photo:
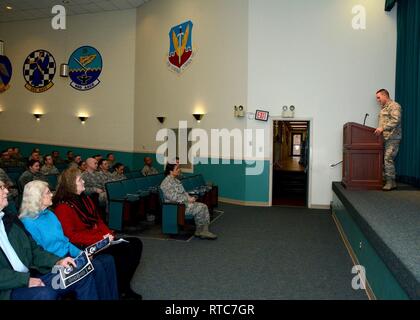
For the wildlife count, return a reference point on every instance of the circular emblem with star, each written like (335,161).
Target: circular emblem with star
(85,66)
(5,73)
(39,71)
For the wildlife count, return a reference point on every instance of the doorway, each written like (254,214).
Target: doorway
(290,163)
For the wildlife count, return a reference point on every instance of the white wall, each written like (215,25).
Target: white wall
(306,53)
(110,105)
(213,84)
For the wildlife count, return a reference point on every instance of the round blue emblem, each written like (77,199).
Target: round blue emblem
(85,66)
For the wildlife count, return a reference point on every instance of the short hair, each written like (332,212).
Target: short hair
(32,162)
(383,91)
(101,161)
(32,199)
(169,167)
(117,165)
(109,154)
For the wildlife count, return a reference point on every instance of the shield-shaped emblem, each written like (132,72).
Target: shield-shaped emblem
(5,73)
(180,49)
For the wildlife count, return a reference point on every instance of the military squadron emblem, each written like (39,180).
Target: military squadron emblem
(180,49)
(5,73)
(39,71)
(85,66)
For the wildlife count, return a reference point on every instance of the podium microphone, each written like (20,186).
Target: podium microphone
(366,115)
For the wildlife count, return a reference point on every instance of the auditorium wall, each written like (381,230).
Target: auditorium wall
(109,105)
(262,54)
(307,54)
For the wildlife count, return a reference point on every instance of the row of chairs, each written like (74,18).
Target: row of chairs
(131,197)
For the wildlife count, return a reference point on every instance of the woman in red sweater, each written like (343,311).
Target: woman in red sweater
(83,225)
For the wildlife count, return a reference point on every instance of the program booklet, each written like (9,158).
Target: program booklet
(70,275)
(101,245)
(98,246)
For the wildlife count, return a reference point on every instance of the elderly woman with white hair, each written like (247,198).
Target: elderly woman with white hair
(47,231)
(25,268)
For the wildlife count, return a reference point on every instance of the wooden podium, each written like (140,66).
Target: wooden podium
(363,154)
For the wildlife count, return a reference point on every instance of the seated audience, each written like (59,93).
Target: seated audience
(97,157)
(6,160)
(173,191)
(75,162)
(48,167)
(83,225)
(56,157)
(16,157)
(70,157)
(33,173)
(35,155)
(93,181)
(111,159)
(82,166)
(46,230)
(118,173)
(104,174)
(148,169)
(25,268)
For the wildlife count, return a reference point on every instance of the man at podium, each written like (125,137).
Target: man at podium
(390,128)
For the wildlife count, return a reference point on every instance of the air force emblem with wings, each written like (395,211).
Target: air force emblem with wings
(180,48)
(85,66)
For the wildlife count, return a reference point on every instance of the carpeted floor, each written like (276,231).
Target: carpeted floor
(261,253)
(151,230)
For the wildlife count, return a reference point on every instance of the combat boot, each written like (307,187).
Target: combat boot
(198,230)
(206,234)
(390,185)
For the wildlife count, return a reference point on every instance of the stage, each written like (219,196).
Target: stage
(382,233)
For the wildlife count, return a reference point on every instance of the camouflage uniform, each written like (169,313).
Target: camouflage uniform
(28,176)
(105,176)
(148,171)
(116,176)
(174,191)
(390,122)
(46,170)
(93,181)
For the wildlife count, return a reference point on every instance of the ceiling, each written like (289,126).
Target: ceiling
(38,9)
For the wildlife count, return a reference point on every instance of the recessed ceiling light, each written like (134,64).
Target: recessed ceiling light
(9,7)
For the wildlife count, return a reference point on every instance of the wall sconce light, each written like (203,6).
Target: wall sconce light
(64,70)
(239,112)
(161,119)
(38,116)
(198,117)
(83,119)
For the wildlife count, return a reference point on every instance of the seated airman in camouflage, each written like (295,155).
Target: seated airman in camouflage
(49,167)
(93,181)
(148,169)
(173,191)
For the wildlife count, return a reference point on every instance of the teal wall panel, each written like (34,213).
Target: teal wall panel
(257,186)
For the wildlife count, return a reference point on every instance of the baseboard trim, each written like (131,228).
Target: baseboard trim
(320,206)
(368,290)
(244,203)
